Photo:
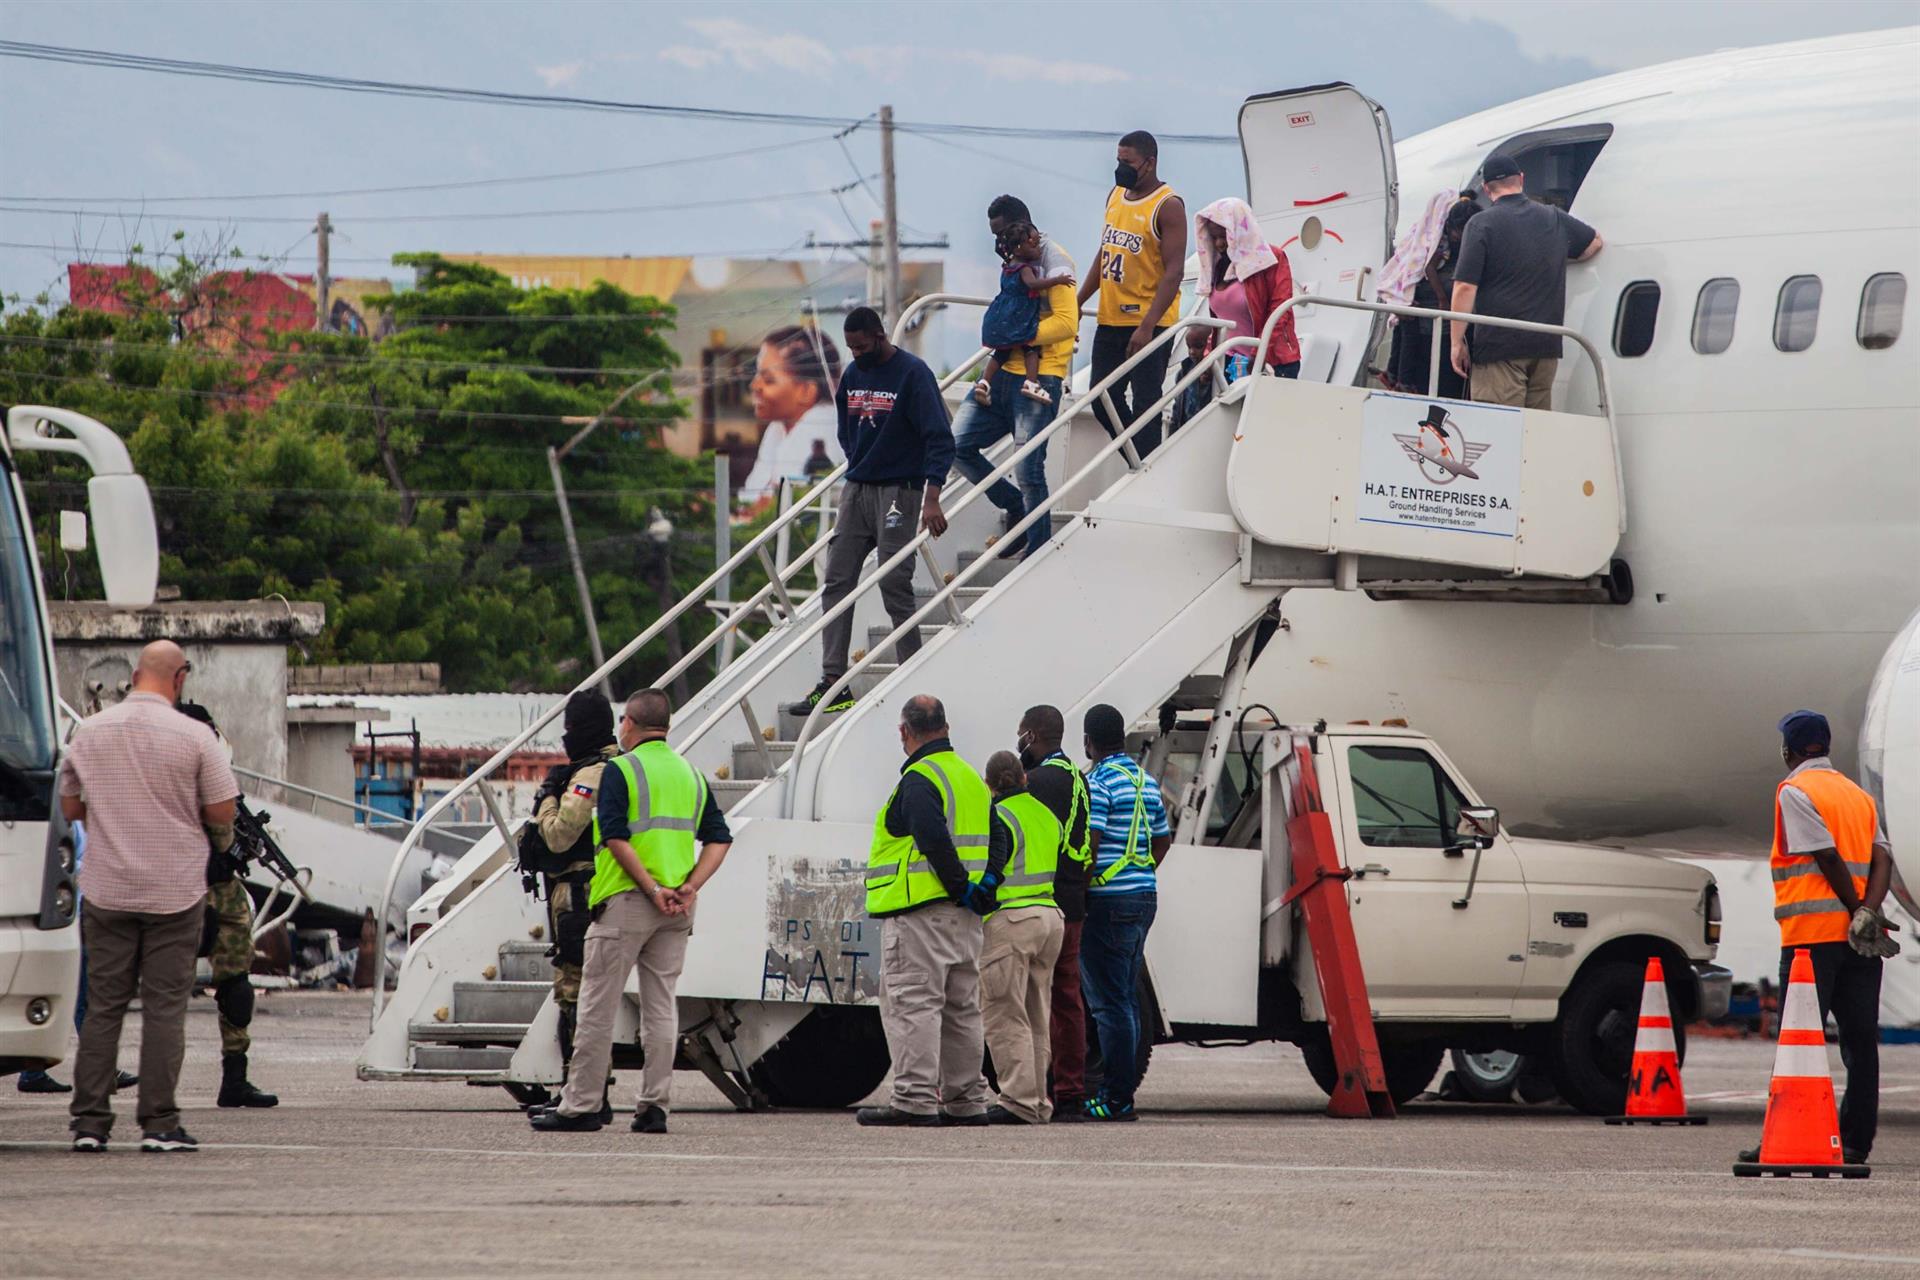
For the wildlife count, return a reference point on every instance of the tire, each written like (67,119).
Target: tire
(528,1095)
(1592,1040)
(833,1058)
(1409,1068)
(1499,1077)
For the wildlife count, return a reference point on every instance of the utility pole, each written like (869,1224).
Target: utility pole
(322,277)
(566,522)
(876,272)
(891,209)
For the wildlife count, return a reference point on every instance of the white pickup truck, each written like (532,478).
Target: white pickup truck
(1492,946)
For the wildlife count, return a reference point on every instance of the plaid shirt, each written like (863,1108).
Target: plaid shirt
(145,772)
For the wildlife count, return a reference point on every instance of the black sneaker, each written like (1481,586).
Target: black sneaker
(41,1082)
(997,1114)
(561,1122)
(964,1122)
(650,1120)
(1070,1111)
(1103,1108)
(890,1117)
(1750,1156)
(548,1108)
(89,1143)
(125,1080)
(842,701)
(172,1140)
(1852,1156)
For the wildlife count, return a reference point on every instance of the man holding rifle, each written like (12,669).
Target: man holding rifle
(227,941)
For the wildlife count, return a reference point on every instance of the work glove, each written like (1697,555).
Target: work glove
(982,896)
(1868,932)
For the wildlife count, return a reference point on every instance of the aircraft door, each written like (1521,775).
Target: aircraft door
(1320,177)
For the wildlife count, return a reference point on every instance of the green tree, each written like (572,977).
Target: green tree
(403,484)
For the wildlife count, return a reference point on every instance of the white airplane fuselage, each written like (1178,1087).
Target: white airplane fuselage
(1773,497)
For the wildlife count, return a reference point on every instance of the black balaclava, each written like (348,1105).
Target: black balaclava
(589,725)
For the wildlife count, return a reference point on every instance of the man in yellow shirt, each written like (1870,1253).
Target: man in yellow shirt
(979,425)
(1137,271)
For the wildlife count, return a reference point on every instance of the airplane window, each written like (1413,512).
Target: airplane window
(1713,316)
(1633,324)
(1797,314)
(1881,304)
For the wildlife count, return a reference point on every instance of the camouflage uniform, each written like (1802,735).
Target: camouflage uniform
(564,820)
(232,960)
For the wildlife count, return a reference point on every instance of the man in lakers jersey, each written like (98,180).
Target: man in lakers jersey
(1137,270)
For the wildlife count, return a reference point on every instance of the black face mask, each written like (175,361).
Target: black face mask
(1125,175)
(868,359)
(1030,756)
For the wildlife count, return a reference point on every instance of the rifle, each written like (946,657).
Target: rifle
(252,842)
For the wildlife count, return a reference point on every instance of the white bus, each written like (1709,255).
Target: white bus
(39,894)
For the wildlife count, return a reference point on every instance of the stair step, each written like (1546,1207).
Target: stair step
(748,762)
(525,962)
(996,569)
(876,634)
(498,1033)
(923,592)
(729,790)
(791,723)
(461,1057)
(499,1002)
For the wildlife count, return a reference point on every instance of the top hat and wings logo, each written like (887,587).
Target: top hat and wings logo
(1440,449)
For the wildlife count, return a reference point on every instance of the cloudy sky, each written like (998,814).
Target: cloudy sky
(128,146)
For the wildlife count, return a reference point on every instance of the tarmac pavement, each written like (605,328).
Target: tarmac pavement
(1233,1169)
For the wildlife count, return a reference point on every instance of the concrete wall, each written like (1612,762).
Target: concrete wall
(321,756)
(238,650)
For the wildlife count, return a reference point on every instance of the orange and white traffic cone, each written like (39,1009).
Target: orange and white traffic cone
(1802,1130)
(1654,1092)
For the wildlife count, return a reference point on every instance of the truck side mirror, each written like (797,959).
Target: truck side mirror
(1478,826)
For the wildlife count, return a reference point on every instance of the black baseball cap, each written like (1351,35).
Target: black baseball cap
(1499,165)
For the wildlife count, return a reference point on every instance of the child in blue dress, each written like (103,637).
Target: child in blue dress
(1013,317)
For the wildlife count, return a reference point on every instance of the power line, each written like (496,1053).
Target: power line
(757,251)
(770,197)
(464,185)
(33,52)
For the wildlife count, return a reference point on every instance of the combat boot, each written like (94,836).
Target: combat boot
(235,1089)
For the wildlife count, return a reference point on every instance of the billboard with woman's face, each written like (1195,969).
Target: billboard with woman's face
(794,378)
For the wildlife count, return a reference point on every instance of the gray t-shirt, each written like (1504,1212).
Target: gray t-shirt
(1805,830)
(1517,253)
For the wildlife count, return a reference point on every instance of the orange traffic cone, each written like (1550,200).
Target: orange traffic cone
(1654,1092)
(1802,1130)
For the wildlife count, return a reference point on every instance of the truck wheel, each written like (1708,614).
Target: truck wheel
(1409,1068)
(1592,1042)
(835,1057)
(1499,1076)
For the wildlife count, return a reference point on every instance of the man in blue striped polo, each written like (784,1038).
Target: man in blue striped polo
(1127,826)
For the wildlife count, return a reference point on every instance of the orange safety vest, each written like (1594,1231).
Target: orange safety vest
(1803,901)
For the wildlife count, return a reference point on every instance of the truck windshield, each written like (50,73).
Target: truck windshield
(26,701)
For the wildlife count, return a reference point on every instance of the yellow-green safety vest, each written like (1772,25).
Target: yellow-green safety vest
(1028,879)
(665,796)
(897,876)
(1139,850)
(1081,853)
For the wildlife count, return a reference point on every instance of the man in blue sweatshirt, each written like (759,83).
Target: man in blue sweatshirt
(899,446)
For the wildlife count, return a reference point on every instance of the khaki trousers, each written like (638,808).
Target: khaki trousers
(930,1008)
(129,950)
(1521,383)
(630,931)
(1016,997)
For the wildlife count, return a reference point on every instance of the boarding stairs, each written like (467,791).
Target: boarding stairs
(1151,591)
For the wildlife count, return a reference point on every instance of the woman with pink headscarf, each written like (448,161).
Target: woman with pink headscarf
(1245,280)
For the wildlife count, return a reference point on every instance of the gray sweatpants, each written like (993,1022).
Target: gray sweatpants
(883,517)
(930,1008)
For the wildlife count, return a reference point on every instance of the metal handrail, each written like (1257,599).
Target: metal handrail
(693,599)
(913,545)
(327,796)
(1469,317)
(1120,443)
